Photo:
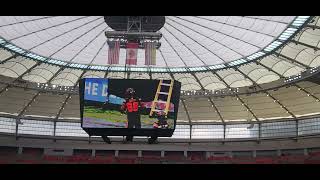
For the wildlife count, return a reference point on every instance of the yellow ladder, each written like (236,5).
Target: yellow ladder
(156,98)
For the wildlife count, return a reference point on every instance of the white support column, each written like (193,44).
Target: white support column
(254,153)
(231,154)
(297,130)
(224,132)
(20,149)
(190,135)
(116,153)
(207,154)
(93,153)
(162,153)
(185,153)
(279,152)
(139,153)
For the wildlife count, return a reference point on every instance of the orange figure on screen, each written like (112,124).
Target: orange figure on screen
(132,107)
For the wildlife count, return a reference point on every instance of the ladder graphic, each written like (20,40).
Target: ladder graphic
(164,94)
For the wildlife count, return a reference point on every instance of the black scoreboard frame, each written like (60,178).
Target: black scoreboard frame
(126,131)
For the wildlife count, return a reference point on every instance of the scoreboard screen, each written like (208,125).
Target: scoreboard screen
(121,107)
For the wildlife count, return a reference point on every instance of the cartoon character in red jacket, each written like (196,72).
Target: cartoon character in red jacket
(132,106)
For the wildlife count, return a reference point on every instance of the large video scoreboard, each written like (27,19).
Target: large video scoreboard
(122,107)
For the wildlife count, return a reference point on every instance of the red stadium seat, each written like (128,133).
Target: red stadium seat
(101,160)
(315,153)
(27,161)
(310,161)
(242,160)
(125,160)
(264,160)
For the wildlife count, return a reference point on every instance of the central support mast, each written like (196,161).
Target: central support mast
(134,24)
(138,29)
(135,32)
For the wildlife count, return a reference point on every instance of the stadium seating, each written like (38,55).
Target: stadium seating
(264,160)
(34,156)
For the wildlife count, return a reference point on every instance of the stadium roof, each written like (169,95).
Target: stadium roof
(205,42)
(258,55)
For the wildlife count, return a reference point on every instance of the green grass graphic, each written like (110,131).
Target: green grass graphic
(116,116)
